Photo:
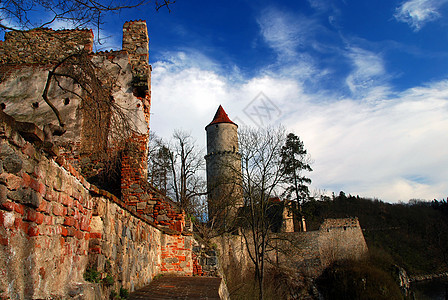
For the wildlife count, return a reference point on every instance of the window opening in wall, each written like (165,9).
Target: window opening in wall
(35,104)
(3,106)
(67,101)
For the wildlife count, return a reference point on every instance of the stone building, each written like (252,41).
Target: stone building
(224,181)
(92,127)
(56,223)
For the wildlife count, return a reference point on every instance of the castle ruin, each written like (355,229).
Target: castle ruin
(57,224)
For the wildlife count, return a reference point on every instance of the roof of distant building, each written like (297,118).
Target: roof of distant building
(221,117)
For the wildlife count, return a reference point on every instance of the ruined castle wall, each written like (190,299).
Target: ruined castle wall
(131,249)
(26,58)
(306,252)
(341,239)
(43,46)
(45,215)
(54,224)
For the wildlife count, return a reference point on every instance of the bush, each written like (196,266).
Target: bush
(108,280)
(92,275)
(124,293)
(358,280)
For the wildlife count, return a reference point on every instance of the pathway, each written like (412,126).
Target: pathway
(179,287)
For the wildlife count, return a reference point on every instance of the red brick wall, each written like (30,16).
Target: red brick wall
(53,223)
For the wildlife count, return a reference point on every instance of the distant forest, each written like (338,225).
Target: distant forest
(412,235)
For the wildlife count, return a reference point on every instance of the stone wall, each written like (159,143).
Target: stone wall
(43,45)
(54,224)
(306,252)
(26,58)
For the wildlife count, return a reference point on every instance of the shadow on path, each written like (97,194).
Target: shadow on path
(179,287)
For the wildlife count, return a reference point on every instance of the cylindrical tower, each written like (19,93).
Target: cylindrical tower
(224,182)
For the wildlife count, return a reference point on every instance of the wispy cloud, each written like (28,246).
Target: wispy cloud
(285,33)
(372,141)
(419,12)
(368,72)
(392,147)
(377,148)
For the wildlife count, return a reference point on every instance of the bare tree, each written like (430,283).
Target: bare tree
(159,163)
(186,163)
(179,165)
(262,174)
(21,15)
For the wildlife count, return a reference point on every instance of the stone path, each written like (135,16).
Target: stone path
(179,287)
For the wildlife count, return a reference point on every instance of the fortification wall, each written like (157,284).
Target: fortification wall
(341,239)
(26,58)
(54,224)
(306,252)
(43,46)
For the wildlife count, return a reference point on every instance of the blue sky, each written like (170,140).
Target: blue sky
(363,83)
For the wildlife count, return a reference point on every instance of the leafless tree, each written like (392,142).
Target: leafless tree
(21,15)
(179,165)
(159,165)
(262,174)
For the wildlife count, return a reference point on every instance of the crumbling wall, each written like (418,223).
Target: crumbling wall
(43,46)
(54,224)
(341,239)
(26,58)
(306,252)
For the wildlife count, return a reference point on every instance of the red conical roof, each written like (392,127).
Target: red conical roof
(220,117)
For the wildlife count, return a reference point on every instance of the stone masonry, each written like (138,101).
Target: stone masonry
(53,224)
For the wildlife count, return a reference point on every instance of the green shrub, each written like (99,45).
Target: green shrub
(124,293)
(92,275)
(108,280)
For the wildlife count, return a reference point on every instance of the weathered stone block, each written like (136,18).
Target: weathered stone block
(3,192)
(145,197)
(26,196)
(211,261)
(132,199)
(162,218)
(171,260)
(12,163)
(141,205)
(96,224)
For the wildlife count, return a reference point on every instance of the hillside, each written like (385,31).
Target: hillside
(412,234)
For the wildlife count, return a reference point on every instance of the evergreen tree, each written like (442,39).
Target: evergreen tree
(295,160)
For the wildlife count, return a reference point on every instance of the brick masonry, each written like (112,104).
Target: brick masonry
(43,46)
(53,224)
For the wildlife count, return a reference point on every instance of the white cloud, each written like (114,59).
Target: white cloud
(368,72)
(419,12)
(284,32)
(394,148)
(320,5)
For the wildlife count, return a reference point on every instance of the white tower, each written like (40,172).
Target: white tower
(224,182)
